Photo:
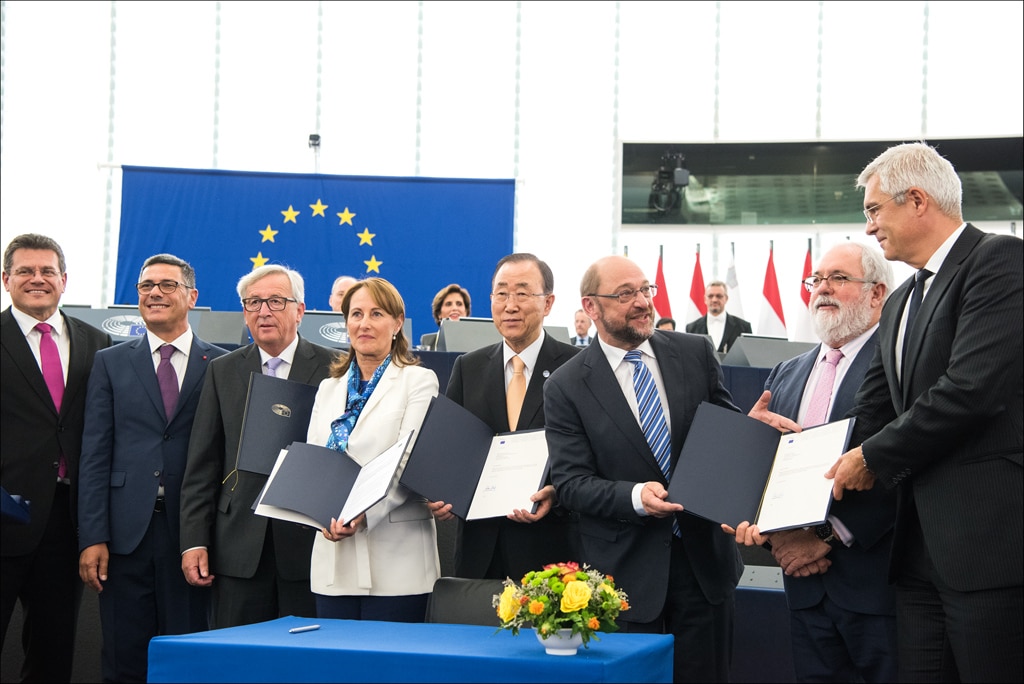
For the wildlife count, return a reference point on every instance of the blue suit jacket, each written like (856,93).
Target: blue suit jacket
(129,445)
(857,579)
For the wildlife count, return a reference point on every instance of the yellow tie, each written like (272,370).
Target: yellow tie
(516,392)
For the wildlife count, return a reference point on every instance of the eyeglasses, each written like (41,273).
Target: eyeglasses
(166,286)
(26,272)
(254,304)
(835,281)
(871,212)
(518,297)
(627,296)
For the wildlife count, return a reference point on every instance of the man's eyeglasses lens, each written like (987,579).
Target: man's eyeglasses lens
(166,286)
(836,281)
(519,297)
(273,303)
(29,272)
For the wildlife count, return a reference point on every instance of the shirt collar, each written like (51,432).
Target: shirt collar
(528,355)
(286,355)
(28,323)
(182,342)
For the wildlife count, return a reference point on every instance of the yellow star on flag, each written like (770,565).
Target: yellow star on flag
(258,260)
(366,237)
(346,216)
(290,215)
(268,234)
(318,208)
(373,265)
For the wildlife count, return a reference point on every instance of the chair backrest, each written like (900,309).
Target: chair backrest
(461,601)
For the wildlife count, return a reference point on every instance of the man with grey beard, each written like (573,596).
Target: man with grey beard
(842,607)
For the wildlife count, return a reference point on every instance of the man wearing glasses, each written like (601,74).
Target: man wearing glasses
(939,421)
(617,415)
(140,405)
(43,412)
(723,328)
(485,382)
(258,567)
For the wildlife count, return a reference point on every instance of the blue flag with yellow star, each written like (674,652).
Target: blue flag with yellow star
(419,233)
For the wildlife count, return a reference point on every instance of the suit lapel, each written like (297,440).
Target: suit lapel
(847,390)
(787,398)
(142,364)
(79,363)
(493,386)
(17,346)
(533,402)
(198,358)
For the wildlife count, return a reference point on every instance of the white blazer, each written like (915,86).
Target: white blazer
(395,554)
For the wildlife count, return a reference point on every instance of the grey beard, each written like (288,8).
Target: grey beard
(847,323)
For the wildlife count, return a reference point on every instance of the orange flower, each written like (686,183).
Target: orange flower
(623,605)
(593,623)
(536,608)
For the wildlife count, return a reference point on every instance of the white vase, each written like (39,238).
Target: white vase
(561,643)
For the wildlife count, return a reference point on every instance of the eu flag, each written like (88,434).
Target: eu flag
(419,233)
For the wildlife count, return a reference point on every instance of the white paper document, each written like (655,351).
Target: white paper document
(515,469)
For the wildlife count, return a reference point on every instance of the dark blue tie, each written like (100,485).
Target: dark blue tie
(915,303)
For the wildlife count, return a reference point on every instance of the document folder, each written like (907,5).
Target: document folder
(277,413)
(734,468)
(311,484)
(459,460)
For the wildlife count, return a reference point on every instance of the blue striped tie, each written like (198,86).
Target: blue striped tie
(652,418)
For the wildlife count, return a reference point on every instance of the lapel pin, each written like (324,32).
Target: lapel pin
(546,373)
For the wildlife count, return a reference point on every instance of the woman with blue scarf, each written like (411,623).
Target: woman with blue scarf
(381,565)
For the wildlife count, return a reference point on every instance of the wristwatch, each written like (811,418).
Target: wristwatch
(824,532)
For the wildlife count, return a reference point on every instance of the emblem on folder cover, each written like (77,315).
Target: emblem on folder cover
(281,410)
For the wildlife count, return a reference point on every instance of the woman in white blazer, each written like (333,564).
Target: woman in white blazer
(381,565)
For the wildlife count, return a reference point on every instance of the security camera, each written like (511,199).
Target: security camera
(314,140)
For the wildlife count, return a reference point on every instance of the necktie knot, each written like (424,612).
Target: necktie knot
(515,393)
(833,357)
(922,275)
(634,356)
(272,366)
(44,328)
(517,365)
(166,352)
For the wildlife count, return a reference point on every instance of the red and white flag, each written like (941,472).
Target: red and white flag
(772,322)
(661,304)
(696,308)
(802,330)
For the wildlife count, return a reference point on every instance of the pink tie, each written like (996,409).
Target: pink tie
(817,411)
(53,374)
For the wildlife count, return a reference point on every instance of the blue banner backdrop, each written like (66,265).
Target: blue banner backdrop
(419,233)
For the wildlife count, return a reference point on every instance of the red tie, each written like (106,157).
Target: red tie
(53,374)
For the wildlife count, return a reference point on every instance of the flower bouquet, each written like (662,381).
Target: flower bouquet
(561,596)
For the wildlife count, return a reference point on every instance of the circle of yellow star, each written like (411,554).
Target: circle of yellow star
(318,208)
(346,216)
(373,265)
(366,237)
(290,214)
(268,234)
(258,260)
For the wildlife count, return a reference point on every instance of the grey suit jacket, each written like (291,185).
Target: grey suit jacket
(216,498)
(948,434)
(32,434)
(598,453)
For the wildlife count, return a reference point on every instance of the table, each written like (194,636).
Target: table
(365,651)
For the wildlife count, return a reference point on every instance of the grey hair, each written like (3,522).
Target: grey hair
(902,167)
(257,274)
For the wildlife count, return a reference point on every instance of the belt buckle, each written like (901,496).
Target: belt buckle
(160,505)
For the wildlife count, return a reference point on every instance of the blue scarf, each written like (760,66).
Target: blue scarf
(342,426)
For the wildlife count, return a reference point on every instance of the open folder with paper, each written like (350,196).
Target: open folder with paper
(734,468)
(311,484)
(459,460)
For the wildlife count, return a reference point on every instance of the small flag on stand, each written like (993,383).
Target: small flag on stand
(696,307)
(661,302)
(772,321)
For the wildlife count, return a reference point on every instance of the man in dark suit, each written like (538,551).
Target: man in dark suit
(842,607)
(680,571)
(723,328)
(41,441)
(581,323)
(138,421)
(939,420)
(261,565)
(522,295)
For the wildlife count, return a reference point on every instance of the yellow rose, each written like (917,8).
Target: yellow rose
(575,597)
(508,604)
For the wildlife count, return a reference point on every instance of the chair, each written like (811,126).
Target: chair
(428,341)
(461,601)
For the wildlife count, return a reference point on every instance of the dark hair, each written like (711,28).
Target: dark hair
(547,277)
(33,241)
(386,296)
(188,274)
(663,321)
(443,293)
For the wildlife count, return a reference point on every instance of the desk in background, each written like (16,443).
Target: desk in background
(364,651)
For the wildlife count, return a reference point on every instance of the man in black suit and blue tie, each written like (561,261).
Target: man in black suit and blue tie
(842,607)
(939,421)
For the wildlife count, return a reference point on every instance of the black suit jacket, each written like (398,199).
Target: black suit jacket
(948,435)
(734,327)
(216,499)
(478,383)
(32,434)
(858,577)
(598,453)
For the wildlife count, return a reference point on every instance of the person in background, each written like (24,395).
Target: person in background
(483,382)
(258,567)
(45,363)
(582,324)
(381,565)
(666,324)
(842,607)
(938,419)
(724,328)
(338,289)
(451,302)
(141,401)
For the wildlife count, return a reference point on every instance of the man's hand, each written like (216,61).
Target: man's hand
(796,549)
(761,412)
(92,565)
(653,496)
(545,500)
(440,510)
(195,563)
(746,534)
(850,472)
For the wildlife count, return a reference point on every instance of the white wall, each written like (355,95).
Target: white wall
(540,91)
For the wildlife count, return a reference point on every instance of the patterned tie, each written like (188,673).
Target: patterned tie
(167,379)
(53,374)
(515,393)
(272,365)
(652,418)
(817,410)
(915,303)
